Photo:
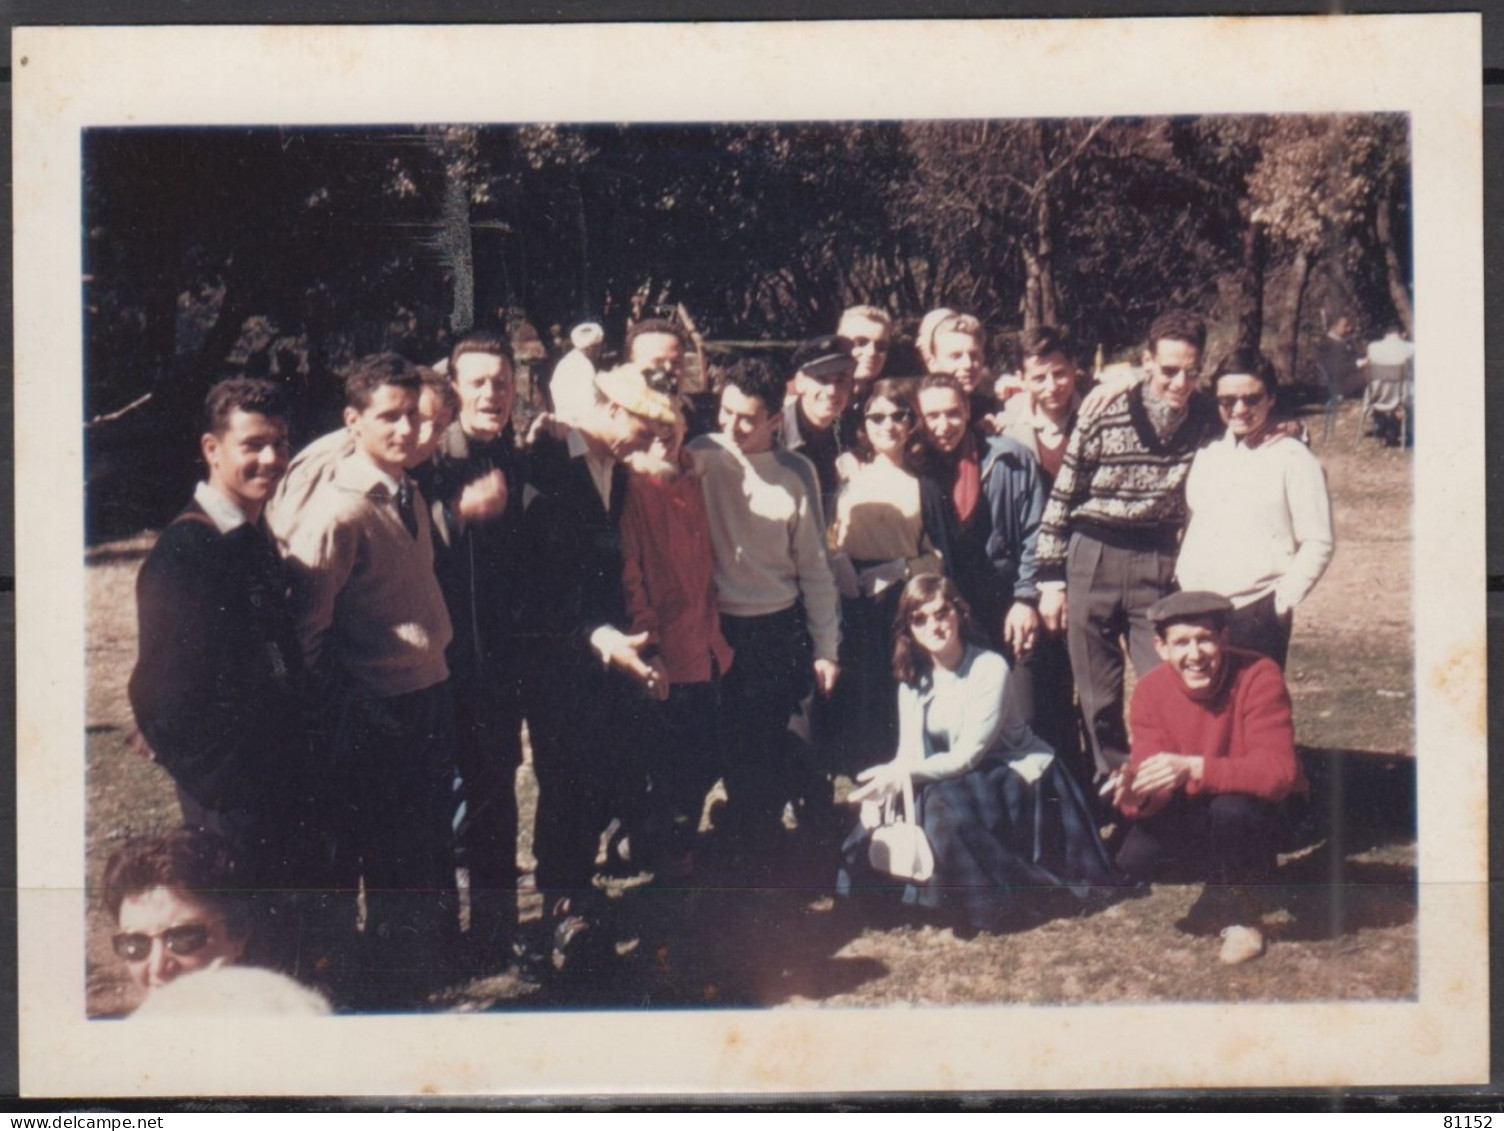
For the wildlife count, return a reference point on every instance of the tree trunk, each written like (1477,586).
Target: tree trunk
(1288,345)
(458,253)
(1399,293)
(1048,304)
(1251,289)
(1032,287)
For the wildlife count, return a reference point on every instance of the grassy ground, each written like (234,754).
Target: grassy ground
(1341,922)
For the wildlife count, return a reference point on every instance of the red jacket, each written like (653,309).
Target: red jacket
(1244,731)
(670,577)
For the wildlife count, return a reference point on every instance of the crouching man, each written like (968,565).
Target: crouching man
(1213,755)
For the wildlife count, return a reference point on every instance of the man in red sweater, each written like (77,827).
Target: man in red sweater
(1213,756)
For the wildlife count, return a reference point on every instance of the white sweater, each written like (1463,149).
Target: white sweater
(1261,522)
(765,533)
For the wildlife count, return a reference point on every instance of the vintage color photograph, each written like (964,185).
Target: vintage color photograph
(758,571)
(975,279)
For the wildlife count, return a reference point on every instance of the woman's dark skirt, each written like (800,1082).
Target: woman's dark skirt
(1006,849)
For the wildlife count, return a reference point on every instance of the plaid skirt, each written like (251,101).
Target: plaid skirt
(1003,845)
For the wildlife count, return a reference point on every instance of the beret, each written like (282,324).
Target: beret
(1188,605)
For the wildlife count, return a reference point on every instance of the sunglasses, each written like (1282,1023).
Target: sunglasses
(181,941)
(1170,372)
(662,381)
(919,618)
(878,344)
(901,416)
(1251,400)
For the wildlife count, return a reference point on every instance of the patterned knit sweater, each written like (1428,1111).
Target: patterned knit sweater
(1120,482)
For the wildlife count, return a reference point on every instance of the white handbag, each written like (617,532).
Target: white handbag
(899,846)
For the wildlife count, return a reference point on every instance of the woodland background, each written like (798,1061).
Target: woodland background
(289,252)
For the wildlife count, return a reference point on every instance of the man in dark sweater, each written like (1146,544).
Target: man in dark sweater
(476,484)
(583,668)
(216,687)
(1108,540)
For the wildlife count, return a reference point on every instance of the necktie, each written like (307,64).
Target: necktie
(405,507)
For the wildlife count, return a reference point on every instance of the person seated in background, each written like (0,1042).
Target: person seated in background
(1391,386)
(178,905)
(1213,756)
(1339,360)
(1006,826)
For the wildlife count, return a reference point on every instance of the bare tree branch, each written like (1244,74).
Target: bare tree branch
(105,418)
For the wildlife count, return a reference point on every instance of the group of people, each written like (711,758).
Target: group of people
(908,582)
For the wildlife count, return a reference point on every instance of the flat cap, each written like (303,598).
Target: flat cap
(825,358)
(1188,605)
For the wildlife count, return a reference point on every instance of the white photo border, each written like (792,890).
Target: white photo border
(70,79)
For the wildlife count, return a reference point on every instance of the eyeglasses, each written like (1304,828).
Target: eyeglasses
(879,345)
(180,941)
(1170,372)
(901,416)
(1251,400)
(919,618)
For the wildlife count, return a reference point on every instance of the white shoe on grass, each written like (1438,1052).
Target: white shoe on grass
(1241,944)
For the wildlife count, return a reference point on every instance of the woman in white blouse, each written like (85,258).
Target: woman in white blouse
(1260,532)
(1006,824)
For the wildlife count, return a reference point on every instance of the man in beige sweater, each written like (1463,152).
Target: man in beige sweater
(374,627)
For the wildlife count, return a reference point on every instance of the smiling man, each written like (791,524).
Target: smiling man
(477,481)
(374,628)
(1213,756)
(215,689)
(812,424)
(1108,539)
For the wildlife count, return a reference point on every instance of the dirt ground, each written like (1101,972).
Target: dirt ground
(1342,920)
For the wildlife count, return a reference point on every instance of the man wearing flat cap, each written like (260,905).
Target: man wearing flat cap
(584,666)
(812,426)
(1213,755)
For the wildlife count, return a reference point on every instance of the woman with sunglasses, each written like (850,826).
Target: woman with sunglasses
(1260,531)
(172,901)
(1005,824)
(888,525)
